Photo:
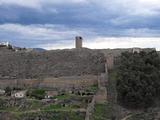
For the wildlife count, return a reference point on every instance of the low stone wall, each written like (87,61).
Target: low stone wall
(101,96)
(109,61)
(90,109)
(59,83)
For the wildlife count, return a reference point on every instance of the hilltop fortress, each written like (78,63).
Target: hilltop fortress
(65,69)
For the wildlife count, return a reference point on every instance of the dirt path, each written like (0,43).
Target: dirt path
(125,118)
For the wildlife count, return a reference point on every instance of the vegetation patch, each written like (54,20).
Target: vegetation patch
(55,107)
(19,105)
(63,97)
(93,88)
(142,116)
(37,93)
(103,112)
(138,79)
(63,115)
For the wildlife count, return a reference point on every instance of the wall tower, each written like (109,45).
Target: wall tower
(78,42)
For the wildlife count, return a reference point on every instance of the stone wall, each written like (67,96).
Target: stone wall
(90,109)
(110,61)
(56,63)
(50,83)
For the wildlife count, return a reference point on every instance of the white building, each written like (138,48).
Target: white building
(50,94)
(2,92)
(19,94)
(4,44)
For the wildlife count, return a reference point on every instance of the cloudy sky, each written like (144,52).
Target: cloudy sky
(53,24)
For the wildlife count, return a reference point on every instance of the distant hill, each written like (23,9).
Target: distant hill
(39,49)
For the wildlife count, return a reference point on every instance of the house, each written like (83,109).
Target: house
(2,92)
(50,94)
(19,94)
(4,44)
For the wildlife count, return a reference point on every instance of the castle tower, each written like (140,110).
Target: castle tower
(78,42)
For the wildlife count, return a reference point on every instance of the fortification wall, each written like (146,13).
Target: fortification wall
(56,63)
(111,55)
(50,83)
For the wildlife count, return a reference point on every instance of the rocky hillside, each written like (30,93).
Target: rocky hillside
(33,64)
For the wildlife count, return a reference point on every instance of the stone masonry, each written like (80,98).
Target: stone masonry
(79,42)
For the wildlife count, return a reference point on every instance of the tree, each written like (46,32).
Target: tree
(8,91)
(138,79)
(37,93)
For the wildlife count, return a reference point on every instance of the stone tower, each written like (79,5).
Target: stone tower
(78,41)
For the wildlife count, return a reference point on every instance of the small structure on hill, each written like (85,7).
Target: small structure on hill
(19,94)
(2,92)
(50,94)
(136,50)
(79,41)
(4,44)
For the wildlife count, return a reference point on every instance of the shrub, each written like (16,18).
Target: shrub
(8,91)
(37,93)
